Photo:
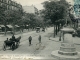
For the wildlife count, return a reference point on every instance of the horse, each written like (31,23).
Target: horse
(17,40)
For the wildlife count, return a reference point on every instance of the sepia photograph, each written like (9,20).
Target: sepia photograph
(39,29)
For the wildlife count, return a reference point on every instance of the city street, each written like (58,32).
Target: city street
(44,49)
(48,29)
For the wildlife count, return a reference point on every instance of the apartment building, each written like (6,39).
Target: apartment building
(30,9)
(10,5)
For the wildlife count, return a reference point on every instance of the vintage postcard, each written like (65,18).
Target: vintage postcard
(39,30)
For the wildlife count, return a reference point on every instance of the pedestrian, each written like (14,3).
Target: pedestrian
(60,36)
(30,39)
(39,38)
(63,36)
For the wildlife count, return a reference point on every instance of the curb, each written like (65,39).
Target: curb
(54,40)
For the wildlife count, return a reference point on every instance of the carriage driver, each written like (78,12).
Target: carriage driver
(13,37)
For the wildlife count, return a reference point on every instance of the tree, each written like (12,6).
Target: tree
(15,18)
(2,16)
(39,21)
(12,17)
(55,11)
(46,21)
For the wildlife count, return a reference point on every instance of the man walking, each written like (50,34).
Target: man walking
(30,39)
(39,38)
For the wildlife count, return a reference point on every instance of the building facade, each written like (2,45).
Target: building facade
(30,9)
(10,5)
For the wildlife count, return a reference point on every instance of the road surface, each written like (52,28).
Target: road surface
(36,49)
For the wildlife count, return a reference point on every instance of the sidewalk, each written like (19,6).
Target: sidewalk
(4,37)
(16,33)
(75,40)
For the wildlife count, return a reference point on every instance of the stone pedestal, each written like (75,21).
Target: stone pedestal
(67,49)
(66,52)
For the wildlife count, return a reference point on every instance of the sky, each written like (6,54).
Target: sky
(36,3)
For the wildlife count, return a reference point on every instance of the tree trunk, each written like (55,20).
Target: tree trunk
(13,29)
(58,27)
(5,30)
(54,31)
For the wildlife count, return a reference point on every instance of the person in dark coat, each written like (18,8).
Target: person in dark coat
(39,38)
(6,40)
(30,39)
(13,37)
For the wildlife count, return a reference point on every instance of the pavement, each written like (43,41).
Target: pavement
(16,32)
(44,49)
(75,40)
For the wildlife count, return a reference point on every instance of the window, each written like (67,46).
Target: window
(79,6)
(7,7)
(0,4)
(4,1)
(7,1)
(12,7)
(12,3)
(0,0)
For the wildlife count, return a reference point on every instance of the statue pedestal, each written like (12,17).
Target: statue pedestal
(67,52)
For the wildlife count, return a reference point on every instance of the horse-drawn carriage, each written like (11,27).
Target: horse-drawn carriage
(37,29)
(43,29)
(12,43)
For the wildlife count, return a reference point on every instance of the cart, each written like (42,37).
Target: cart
(37,29)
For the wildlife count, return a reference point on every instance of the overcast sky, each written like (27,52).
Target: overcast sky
(36,3)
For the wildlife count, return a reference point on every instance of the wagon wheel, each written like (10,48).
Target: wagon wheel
(17,44)
(12,47)
(4,46)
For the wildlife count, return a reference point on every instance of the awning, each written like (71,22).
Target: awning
(2,26)
(16,25)
(9,26)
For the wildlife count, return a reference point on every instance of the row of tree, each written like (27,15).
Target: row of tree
(57,12)
(19,17)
